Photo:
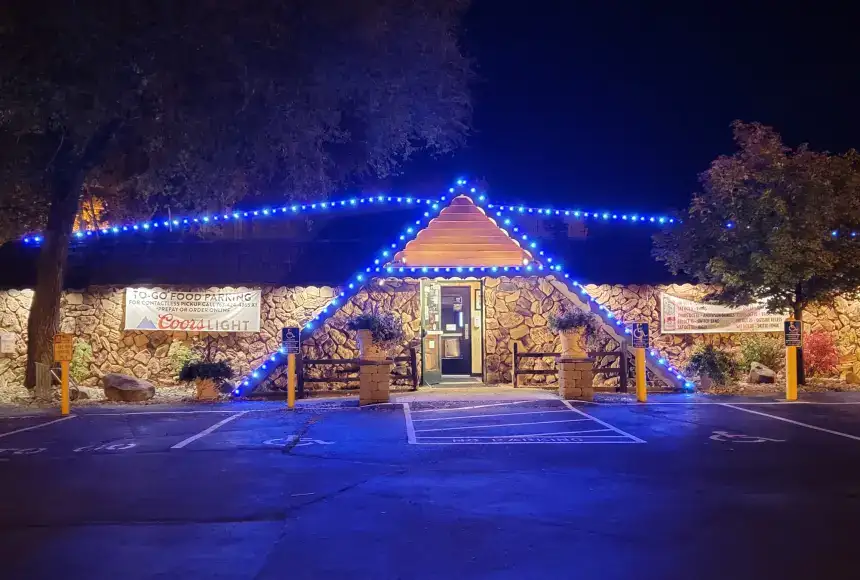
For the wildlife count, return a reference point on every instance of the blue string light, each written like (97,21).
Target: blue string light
(603,216)
(214,219)
(355,284)
(732,225)
(359,280)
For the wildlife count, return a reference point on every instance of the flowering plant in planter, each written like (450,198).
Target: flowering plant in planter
(206,376)
(376,333)
(574,327)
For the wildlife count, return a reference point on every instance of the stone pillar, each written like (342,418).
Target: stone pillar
(374,379)
(575,378)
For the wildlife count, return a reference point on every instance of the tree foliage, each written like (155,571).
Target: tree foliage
(195,105)
(771,224)
(209,101)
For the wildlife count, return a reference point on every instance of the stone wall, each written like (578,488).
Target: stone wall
(96,316)
(516,309)
(333,341)
(633,303)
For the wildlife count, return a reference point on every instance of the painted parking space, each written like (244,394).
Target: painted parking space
(10,426)
(265,430)
(508,423)
(734,424)
(833,420)
(77,435)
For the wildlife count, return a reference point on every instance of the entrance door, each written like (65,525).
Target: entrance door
(456,341)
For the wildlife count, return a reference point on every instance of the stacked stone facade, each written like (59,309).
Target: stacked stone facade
(515,309)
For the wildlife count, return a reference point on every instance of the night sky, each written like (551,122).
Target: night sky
(618,106)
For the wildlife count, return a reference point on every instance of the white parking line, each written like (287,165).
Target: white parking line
(193,412)
(554,434)
(499,425)
(208,430)
(604,423)
(37,426)
(793,422)
(493,415)
(477,406)
(632,403)
(410,428)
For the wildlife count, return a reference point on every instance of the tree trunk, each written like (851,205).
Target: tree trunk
(66,182)
(44,318)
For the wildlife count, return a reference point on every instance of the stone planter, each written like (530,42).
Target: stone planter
(374,381)
(576,379)
(206,390)
(368,349)
(573,343)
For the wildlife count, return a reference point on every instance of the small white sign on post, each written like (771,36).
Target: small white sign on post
(681,316)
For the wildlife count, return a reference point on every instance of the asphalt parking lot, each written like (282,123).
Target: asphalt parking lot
(678,488)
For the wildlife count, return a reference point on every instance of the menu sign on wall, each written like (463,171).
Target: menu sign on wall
(680,316)
(219,310)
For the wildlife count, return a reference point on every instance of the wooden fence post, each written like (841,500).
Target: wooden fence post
(514,366)
(300,375)
(413,367)
(623,363)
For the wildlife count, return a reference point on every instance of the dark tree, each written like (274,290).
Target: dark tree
(172,103)
(772,224)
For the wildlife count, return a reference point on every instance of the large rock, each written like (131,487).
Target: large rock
(119,387)
(761,374)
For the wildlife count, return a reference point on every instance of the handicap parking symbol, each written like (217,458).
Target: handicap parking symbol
(303,442)
(725,436)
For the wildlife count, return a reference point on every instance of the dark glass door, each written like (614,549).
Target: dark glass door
(456,321)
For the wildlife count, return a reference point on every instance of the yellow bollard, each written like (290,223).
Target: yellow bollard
(641,390)
(64,387)
(291,381)
(791,373)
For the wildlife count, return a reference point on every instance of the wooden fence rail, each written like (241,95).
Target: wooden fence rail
(621,371)
(350,373)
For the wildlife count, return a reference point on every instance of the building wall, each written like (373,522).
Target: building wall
(96,316)
(633,302)
(332,340)
(516,309)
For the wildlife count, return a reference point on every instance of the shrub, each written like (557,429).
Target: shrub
(820,356)
(719,365)
(386,328)
(567,319)
(180,355)
(766,350)
(79,368)
(216,371)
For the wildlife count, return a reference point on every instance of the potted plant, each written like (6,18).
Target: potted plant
(207,377)
(376,334)
(574,327)
(713,366)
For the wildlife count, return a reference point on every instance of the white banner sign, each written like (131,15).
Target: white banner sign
(228,310)
(680,316)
